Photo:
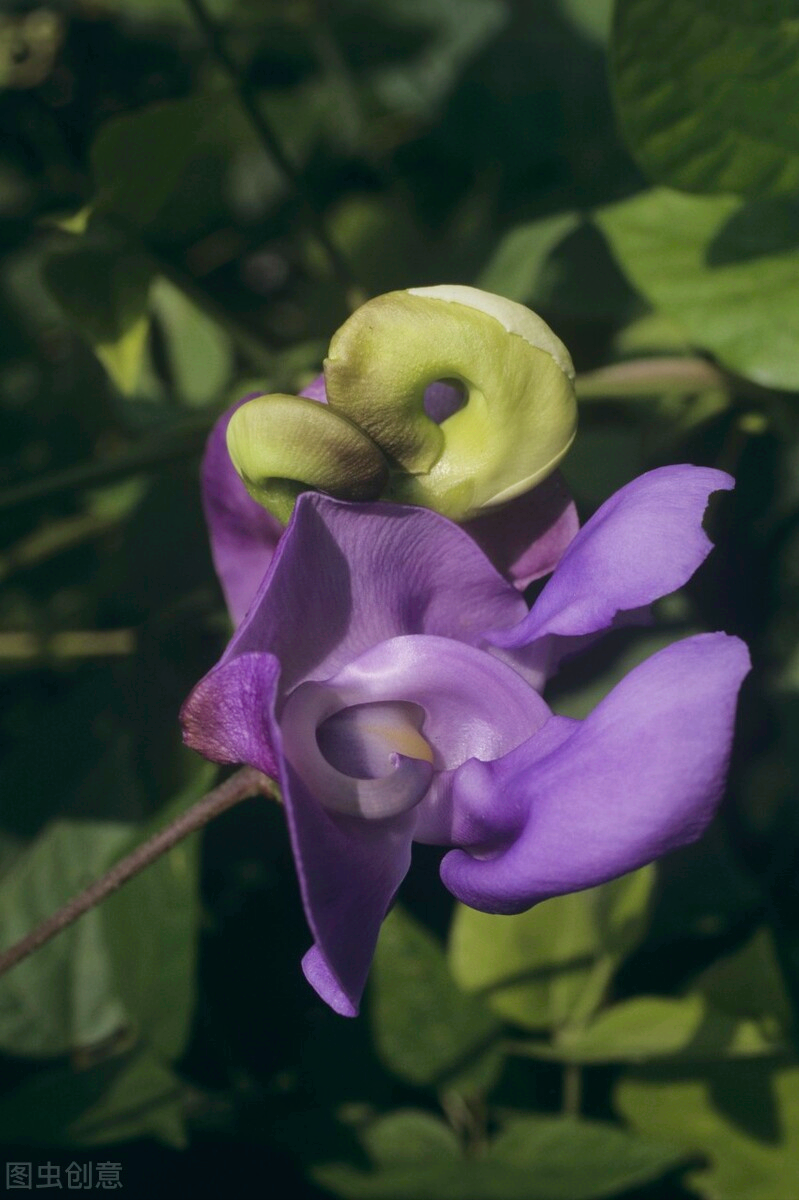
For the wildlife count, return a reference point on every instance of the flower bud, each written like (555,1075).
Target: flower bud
(283,445)
(520,414)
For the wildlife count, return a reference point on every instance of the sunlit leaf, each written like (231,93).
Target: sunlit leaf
(725,272)
(199,351)
(743,1117)
(515,266)
(654,1027)
(551,966)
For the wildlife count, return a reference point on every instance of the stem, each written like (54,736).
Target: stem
(646,376)
(24,646)
(274,148)
(572,1090)
(184,443)
(244,783)
(56,538)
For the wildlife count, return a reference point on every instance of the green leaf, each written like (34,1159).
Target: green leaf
(128,963)
(144,1100)
(128,1096)
(515,267)
(737,1007)
(743,1117)
(456,29)
(152,924)
(565,1159)
(415,1156)
(176,167)
(102,290)
(409,1135)
(664,1027)
(426,1029)
(551,966)
(725,272)
(591,17)
(199,352)
(749,984)
(138,159)
(709,104)
(63,996)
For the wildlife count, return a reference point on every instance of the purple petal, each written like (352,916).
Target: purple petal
(527,537)
(349,871)
(348,576)
(227,717)
(243,534)
(643,543)
(442,399)
(640,776)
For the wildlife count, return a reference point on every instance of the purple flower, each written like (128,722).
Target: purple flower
(390,678)
(524,539)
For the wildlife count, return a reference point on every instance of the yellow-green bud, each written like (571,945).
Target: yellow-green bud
(283,445)
(520,414)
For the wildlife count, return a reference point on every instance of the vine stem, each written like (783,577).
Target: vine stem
(353,293)
(245,783)
(572,1090)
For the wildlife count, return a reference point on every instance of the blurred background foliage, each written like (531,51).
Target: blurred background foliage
(170,191)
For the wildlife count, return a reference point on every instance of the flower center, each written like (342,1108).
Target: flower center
(364,760)
(361,740)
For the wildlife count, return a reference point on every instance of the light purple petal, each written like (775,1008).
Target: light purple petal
(527,537)
(643,543)
(243,534)
(348,576)
(640,776)
(471,705)
(227,717)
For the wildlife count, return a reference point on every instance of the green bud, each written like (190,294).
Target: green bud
(283,445)
(520,413)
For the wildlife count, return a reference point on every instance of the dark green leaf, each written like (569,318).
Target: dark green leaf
(102,290)
(415,1157)
(456,30)
(121,1097)
(709,103)
(426,1029)
(127,963)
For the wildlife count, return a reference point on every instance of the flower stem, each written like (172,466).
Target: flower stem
(245,783)
(274,147)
